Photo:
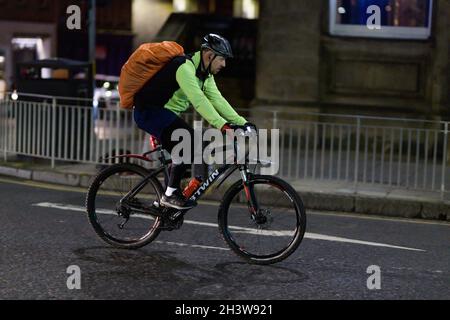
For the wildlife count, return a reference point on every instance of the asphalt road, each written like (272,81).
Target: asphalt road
(43,231)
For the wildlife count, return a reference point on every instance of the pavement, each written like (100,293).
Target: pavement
(316,195)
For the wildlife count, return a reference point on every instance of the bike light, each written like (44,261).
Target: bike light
(153,142)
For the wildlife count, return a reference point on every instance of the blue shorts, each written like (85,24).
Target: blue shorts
(154,120)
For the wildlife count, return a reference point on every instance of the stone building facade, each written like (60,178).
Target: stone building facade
(301,66)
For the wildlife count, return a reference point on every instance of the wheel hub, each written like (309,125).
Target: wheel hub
(264,219)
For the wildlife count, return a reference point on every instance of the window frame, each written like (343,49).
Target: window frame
(386,32)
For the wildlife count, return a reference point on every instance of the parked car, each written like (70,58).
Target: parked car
(106,93)
(110,123)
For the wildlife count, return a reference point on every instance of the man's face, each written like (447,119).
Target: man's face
(217,64)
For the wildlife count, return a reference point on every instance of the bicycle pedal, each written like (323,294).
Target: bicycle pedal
(169,225)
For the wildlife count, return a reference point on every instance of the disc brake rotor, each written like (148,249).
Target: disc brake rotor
(264,219)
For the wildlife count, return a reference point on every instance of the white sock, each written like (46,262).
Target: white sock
(170,191)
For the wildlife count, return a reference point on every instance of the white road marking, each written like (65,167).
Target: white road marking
(49,186)
(313,236)
(191,245)
(317,236)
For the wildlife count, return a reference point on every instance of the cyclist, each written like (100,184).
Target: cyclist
(183,81)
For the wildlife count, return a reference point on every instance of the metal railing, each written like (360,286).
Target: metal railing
(389,152)
(74,133)
(361,150)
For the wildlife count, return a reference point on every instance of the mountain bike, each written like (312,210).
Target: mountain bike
(261,217)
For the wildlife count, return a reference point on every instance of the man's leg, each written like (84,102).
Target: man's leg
(173,196)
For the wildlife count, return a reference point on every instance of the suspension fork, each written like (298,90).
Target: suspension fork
(249,192)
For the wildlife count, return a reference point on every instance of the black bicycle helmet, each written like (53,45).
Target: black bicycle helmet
(218,44)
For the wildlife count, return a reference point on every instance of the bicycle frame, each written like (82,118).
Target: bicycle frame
(225,171)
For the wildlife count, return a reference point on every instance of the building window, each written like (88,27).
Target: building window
(182,5)
(247,9)
(398,19)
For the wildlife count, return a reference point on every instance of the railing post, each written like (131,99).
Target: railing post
(444,161)
(53,132)
(275,120)
(6,133)
(275,127)
(118,130)
(358,133)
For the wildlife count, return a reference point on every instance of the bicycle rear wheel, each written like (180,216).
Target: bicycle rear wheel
(278,229)
(118,224)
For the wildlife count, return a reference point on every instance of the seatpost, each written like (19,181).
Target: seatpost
(164,163)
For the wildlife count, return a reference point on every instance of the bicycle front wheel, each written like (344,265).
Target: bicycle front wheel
(278,229)
(117,223)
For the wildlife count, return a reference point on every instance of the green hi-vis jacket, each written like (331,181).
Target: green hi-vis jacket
(181,84)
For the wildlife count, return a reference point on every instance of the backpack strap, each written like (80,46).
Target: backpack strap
(198,72)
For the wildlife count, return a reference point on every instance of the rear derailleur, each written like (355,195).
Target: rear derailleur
(125,214)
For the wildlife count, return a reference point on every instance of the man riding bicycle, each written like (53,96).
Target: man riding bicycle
(183,81)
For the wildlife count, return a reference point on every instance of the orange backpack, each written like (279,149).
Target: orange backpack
(143,64)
